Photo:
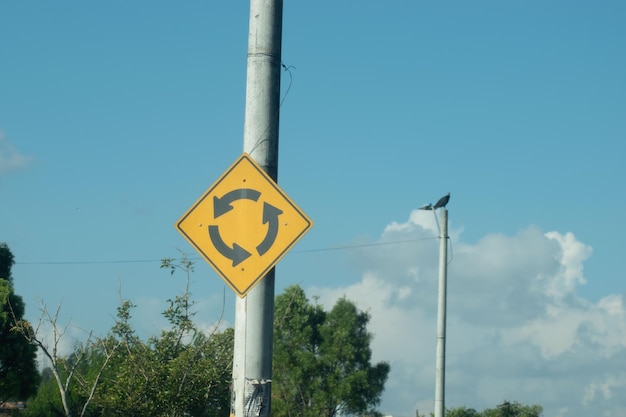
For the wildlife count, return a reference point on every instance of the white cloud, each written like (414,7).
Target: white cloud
(574,253)
(604,389)
(517,328)
(10,158)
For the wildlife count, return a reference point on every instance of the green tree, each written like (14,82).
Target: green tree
(322,360)
(182,372)
(18,361)
(514,409)
(47,402)
(77,375)
(506,409)
(7,260)
(462,412)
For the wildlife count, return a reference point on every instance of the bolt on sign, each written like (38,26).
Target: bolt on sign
(243,224)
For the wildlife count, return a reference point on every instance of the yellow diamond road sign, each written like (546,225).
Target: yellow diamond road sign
(243,224)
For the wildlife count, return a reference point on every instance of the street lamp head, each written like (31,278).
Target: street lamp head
(427,207)
(442,201)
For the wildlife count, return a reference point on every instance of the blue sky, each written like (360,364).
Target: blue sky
(116,117)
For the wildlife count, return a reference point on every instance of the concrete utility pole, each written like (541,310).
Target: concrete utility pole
(254,315)
(441,317)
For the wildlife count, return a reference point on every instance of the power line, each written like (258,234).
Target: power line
(138,261)
(364,245)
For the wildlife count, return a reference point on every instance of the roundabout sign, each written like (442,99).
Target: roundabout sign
(243,224)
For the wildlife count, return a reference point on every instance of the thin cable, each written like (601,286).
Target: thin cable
(437,221)
(451,251)
(333,248)
(364,245)
(260,139)
(137,261)
(449,261)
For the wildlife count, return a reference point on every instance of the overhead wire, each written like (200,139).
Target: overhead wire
(260,139)
(129,261)
(287,69)
(449,260)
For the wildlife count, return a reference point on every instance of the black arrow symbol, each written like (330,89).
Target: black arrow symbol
(222,205)
(237,254)
(270,216)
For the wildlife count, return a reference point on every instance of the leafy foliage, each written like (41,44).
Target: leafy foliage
(18,365)
(179,373)
(462,412)
(505,409)
(169,376)
(322,359)
(322,364)
(77,375)
(514,409)
(7,260)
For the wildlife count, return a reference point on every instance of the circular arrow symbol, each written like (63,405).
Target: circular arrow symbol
(223,205)
(270,216)
(237,254)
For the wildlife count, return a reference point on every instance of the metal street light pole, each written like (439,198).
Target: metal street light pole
(440,377)
(441,317)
